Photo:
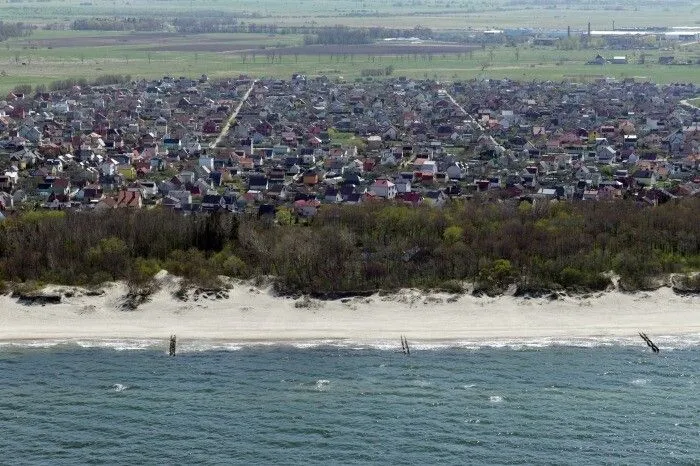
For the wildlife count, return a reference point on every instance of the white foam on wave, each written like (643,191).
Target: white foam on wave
(203,346)
(118,344)
(640,381)
(31,343)
(665,343)
(117,387)
(322,385)
(496,399)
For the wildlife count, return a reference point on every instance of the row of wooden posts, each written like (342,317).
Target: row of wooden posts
(407,350)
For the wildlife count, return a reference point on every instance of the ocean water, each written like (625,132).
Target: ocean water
(544,402)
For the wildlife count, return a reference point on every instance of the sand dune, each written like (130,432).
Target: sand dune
(250,313)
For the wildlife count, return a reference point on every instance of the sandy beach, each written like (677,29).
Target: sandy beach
(249,313)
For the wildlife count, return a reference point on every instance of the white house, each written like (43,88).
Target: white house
(456,171)
(183,196)
(109,167)
(429,167)
(206,162)
(403,185)
(384,188)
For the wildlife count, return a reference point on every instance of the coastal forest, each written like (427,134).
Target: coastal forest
(345,250)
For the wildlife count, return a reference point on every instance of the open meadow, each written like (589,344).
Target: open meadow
(60,53)
(436,14)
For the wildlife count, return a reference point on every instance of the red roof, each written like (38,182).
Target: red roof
(129,198)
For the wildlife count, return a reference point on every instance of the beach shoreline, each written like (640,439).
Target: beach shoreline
(249,314)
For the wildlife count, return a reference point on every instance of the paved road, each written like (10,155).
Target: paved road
(233,116)
(469,117)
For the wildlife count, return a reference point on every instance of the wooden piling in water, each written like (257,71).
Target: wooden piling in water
(173,345)
(404,346)
(649,343)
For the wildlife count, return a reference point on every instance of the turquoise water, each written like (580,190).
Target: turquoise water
(73,403)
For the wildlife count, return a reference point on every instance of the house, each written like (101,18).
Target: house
(598,60)
(91,193)
(645,177)
(306,208)
(383,188)
(148,188)
(411,198)
(374,142)
(278,191)
(258,182)
(6,201)
(129,198)
(310,177)
(436,198)
(402,185)
(7,182)
(332,195)
(619,60)
(213,202)
(605,154)
(456,171)
(182,196)
(172,144)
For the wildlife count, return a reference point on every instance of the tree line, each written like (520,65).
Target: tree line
(345,35)
(9,30)
(63,84)
(226,23)
(118,24)
(375,246)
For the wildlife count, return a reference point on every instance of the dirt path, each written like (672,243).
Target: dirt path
(233,116)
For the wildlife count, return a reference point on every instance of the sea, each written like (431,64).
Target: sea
(591,401)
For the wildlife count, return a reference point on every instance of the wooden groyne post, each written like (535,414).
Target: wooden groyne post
(649,343)
(404,346)
(173,345)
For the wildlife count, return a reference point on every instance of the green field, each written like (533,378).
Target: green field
(23,62)
(49,55)
(437,14)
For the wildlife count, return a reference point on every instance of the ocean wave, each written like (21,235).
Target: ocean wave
(664,342)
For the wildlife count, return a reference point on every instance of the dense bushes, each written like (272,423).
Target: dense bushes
(355,249)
